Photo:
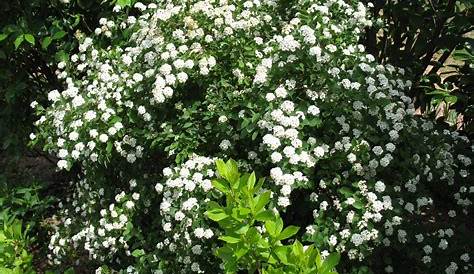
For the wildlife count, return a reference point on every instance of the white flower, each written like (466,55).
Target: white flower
(283,201)
(78,101)
(62,164)
(179,216)
(103,138)
(281,92)
(137,77)
(73,136)
(129,204)
(199,232)
(357,239)
(222,119)
(167,227)
(225,144)
(313,110)
(159,188)
(351,157)
(379,186)
(270,97)
(276,157)
(319,151)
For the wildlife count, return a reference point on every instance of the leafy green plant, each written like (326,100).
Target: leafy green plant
(14,242)
(253,233)
(23,202)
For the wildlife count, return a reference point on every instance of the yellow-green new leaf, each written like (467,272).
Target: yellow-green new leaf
(30,38)
(288,232)
(229,239)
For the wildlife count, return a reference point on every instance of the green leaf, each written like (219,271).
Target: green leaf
(288,232)
(109,147)
(221,168)
(245,123)
(265,215)
(58,35)
(279,225)
(229,239)
(297,249)
(3,36)
(347,192)
(46,42)
(124,3)
(251,181)
(216,214)
(30,38)
(232,172)
(242,230)
(138,253)
(358,204)
(262,201)
(270,226)
(241,252)
(221,185)
(282,253)
(19,39)
(331,261)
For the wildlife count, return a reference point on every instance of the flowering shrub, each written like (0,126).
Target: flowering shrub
(283,88)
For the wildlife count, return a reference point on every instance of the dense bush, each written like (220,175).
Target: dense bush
(155,94)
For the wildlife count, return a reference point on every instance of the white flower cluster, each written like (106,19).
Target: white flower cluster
(188,236)
(82,226)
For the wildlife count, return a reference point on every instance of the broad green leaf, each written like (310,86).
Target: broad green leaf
(358,204)
(262,200)
(124,3)
(265,215)
(58,35)
(241,252)
(331,261)
(254,135)
(288,232)
(216,214)
(297,249)
(229,239)
(251,181)
(347,192)
(279,225)
(221,185)
(259,185)
(242,230)
(30,38)
(232,172)
(221,168)
(282,253)
(270,227)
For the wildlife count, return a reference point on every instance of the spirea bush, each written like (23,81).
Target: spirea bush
(283,87)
